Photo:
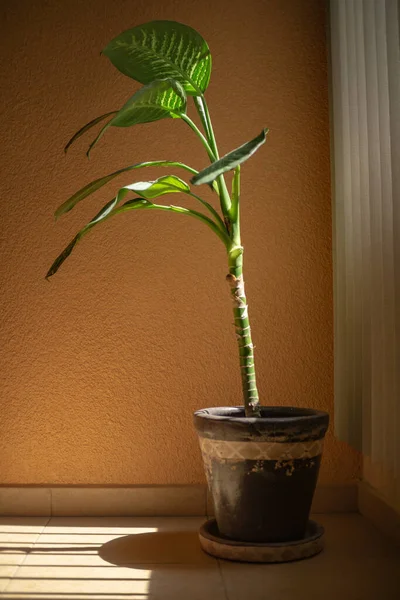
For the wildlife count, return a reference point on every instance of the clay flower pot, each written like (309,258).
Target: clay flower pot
(262,472)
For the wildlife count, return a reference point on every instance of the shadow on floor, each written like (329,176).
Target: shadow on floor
(155,548)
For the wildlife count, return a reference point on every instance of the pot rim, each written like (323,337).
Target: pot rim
(294,414)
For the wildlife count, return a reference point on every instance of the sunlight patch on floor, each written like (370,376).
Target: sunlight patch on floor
(160,559)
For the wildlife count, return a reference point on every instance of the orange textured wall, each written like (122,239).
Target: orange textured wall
(102,367)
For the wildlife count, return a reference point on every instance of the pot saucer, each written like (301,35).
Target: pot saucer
(219,546)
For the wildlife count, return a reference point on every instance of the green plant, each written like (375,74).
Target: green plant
(173,61)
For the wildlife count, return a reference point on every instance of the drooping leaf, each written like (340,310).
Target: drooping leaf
(161,49)
(160,99)
(111,209)
(95,185)
(230,161)
(169,184)
(153,189)
(146,204)
(106,212)
(88,126)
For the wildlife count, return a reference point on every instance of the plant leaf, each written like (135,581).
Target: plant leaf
(161,49)
(131,204)
(106,212)
(95,185)
(111,209)
(103,214)
(159,100)
(161,186)
(229,161)
(86,128)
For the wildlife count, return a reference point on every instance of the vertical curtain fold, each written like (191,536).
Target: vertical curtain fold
(365,84)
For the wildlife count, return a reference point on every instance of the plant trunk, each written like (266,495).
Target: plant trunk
(243,336)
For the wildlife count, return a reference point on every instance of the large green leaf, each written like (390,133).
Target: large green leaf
(229,161)
(88,126)
(161,49)
(153,189)
(160,99)
(157,100)
(95,185)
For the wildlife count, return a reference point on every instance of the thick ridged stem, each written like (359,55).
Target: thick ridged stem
(243,336)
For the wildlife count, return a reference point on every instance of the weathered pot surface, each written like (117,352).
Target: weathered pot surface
(262,472)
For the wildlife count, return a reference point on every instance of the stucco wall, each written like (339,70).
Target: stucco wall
(102,367)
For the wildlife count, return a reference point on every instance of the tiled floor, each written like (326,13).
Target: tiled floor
(159,559)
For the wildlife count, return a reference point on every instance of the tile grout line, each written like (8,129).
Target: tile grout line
(51,502)
(12,577)
(18,567)
(222,579)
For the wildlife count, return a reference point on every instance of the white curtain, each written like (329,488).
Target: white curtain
(365,100)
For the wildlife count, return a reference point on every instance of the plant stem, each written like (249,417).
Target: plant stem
(230,211)
(203,140)
(211,209)
(202,109)
(199,102)
(243,334)
(235,212)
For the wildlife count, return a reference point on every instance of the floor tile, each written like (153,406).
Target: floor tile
(352,535)
(358,563)
(64,555)
(100,530)
(115,557)
(177,582)
(4,583)
(368,579)
(13,554)
(158,583)
(21,529)
(160,559)
(120,524)
(17,537)
(161,547)
(72,582)
(119,542)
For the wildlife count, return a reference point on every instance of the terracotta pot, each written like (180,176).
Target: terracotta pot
(262,472)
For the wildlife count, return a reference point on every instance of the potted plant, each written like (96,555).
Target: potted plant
(261,462)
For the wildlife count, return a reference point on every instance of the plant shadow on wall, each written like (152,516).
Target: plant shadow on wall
(262,463)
